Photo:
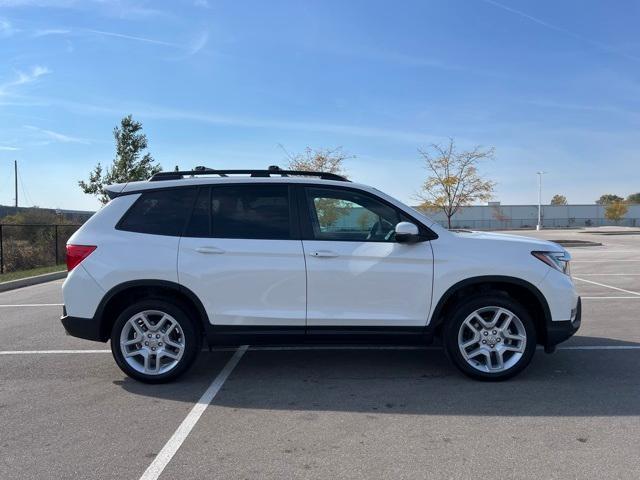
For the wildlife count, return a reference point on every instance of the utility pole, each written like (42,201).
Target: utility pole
(539,225)
(15,181)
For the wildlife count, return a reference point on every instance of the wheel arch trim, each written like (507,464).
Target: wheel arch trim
(435,317)
(150,283)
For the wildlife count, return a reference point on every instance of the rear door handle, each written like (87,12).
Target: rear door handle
(209,250)
(324,253)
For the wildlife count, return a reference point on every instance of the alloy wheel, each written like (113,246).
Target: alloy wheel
(152,342)
(492,339)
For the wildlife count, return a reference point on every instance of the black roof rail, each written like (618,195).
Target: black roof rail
(272,170)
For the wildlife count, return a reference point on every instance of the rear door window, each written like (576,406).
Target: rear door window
(200,222)
(160,212)
(257,211)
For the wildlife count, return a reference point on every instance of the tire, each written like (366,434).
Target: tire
(171,349)
(470,329)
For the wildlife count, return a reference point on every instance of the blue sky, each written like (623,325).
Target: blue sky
(554,86)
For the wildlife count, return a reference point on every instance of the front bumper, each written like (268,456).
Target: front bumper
(559,331)
(86,328)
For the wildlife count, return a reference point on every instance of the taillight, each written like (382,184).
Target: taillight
(77,253)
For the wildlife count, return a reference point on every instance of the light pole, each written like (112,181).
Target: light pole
(539,225)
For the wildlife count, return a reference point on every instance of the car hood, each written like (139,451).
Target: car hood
(515,240)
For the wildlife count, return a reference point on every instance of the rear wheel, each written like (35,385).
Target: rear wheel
(490,337)
(154,341)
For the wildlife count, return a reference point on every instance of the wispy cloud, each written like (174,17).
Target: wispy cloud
(161,113)
(199,43)
(129,10)
(582,107)
(8,148)
(55,136)
(23,78)
(6,28)
(201,3)
(191,48)
(133,37)
(404,60)
(28,77)
(290,125)
(114,8)
(37,3)
(551,26)
(51,31)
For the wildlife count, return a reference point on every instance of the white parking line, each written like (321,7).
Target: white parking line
(49,352)
(602,261)
(609,274)
(171,447)
(601,347)
(621,297)
(601,251)
(7,305)
(607,286)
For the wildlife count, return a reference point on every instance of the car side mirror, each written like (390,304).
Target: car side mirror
(407,232)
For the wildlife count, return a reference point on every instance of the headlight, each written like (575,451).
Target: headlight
(557,260)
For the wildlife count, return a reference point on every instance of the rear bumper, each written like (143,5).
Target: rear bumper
(86,328)
(559,331)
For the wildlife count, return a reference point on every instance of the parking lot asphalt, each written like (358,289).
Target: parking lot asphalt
(66,410)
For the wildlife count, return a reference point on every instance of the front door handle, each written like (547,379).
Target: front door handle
(209,250)
(324,253)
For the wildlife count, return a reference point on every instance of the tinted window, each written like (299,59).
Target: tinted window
(251,211)
(162,212)
(338,214)
(200,222)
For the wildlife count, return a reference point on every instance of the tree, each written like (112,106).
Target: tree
(454,181)
(634,198)
(499,215)
(608,198)
(330,160)
(615,211)
(366,220)
(558,200)
(129,164)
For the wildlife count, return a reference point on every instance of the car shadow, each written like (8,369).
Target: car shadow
(189,387)
(419,381)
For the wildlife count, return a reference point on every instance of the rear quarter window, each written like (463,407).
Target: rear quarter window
(161,212)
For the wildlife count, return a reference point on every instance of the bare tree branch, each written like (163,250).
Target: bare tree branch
(330,160)
(454,181)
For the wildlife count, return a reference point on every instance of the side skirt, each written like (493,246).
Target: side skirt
(284,335)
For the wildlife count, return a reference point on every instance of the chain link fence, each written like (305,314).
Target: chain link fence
(528,223)
(24,246)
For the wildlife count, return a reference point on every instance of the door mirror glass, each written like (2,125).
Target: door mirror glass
(407,232)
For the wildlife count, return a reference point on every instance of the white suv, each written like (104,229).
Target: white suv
(275,256)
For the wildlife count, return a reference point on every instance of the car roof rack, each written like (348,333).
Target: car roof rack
(272,170)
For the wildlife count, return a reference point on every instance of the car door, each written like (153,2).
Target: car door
(357,274)
(242,256)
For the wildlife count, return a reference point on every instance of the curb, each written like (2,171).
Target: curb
(25,282)
(614,232)
(580,244)
(577,243)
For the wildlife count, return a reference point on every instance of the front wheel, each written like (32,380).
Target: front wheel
(490,337)
(154,341)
